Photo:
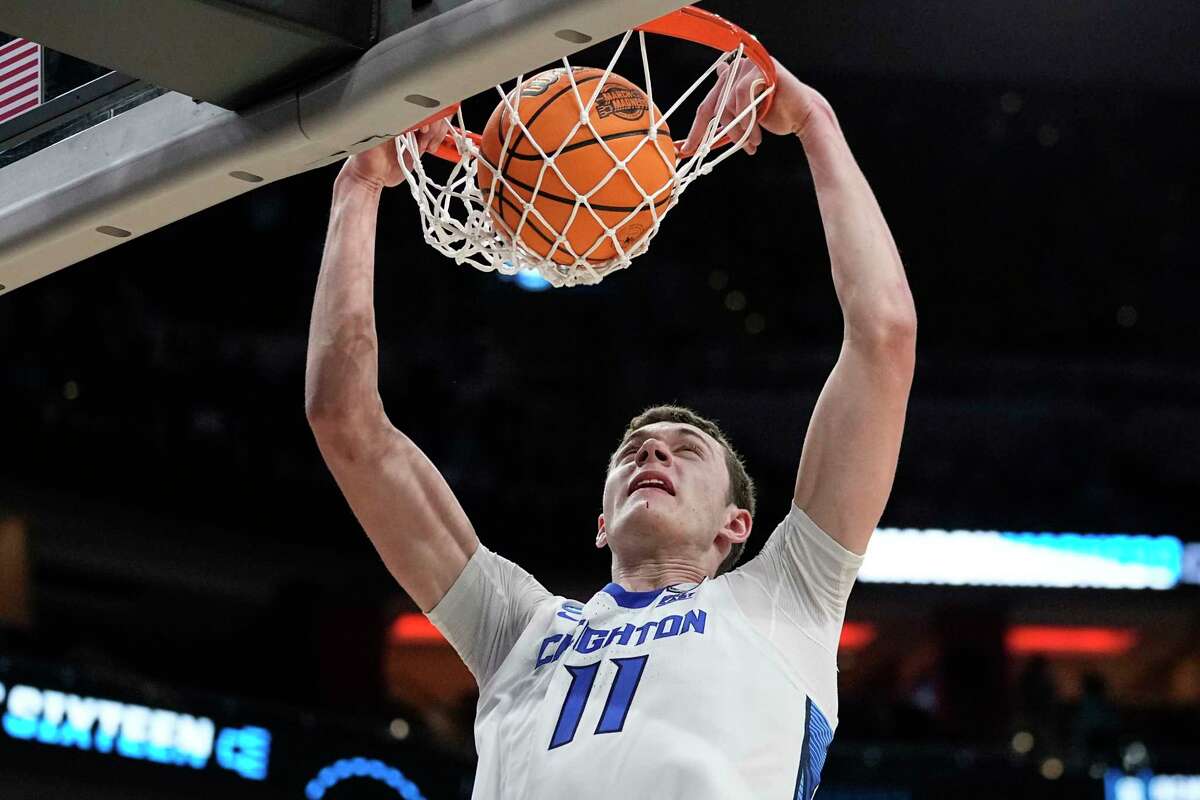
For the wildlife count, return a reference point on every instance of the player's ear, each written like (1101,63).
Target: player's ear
(601,536)
(737,525)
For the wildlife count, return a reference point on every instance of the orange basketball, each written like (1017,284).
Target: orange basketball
(550,111)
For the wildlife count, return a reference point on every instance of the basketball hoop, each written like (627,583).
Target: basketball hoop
(458,218)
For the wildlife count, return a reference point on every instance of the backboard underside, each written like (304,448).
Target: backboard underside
(173,156)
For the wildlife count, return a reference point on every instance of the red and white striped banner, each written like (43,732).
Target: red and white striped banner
(20,77)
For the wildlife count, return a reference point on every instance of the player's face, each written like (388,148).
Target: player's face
(668,486)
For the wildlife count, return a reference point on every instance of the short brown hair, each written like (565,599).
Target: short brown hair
(741,485)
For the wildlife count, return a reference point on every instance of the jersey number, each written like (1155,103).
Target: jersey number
(616,707)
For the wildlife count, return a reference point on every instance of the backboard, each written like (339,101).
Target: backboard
(238,100)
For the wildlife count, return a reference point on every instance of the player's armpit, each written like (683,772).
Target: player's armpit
(406,507)
(486,610)
(852,447)
(797,586)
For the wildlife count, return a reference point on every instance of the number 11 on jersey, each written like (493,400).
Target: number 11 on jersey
(616,707)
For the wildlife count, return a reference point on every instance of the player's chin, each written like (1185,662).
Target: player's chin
(651,501)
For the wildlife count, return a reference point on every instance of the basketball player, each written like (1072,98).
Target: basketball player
(684,677)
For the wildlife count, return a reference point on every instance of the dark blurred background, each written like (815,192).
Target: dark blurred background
(170,522)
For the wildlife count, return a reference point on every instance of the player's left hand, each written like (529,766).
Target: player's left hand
(431,136)
(380,166)
(792,106)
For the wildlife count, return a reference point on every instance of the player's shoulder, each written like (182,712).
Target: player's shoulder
(563,608)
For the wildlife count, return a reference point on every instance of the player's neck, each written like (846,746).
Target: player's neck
(655,574)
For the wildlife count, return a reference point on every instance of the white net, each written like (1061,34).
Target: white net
(462,221)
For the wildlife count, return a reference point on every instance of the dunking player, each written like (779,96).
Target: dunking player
(683,677)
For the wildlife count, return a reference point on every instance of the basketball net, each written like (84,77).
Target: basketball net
(455,214)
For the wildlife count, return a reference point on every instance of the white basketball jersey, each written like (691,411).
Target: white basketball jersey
(726,689)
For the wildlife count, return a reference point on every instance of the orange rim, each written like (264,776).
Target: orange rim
(688,23)
(706,28)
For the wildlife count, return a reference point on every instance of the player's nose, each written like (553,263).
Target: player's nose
(653,450)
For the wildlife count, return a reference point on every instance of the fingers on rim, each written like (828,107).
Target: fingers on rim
(704,115)
(753,141)
(695,135)
(735,132)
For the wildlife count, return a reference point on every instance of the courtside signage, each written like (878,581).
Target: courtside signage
(997,558)
(1148,786)
(124,730)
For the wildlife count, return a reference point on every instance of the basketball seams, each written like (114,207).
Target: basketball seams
(549,101)
(590,141)
(535,219)
(666,186)
(571,201)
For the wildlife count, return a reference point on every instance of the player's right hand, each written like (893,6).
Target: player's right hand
(380,166)
(794,105)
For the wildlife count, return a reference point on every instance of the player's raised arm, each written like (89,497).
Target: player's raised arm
(399,497)
(853,444)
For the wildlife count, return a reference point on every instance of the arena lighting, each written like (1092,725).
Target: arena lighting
(530,281)
(1059,640)
(996,558)
(347,768)
(44,716)
(527,279)
(1148,786)
(1191,563)
(1135,757)
(414,628)
(856,636)
(1052,768)
(1022,742)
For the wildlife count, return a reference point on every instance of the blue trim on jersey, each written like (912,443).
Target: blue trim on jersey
(817,736)
(628,599)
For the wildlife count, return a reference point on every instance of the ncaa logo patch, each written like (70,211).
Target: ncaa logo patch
(621,101)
